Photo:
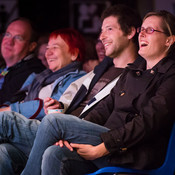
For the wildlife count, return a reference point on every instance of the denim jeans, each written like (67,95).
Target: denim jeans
(60,126)
(12,160)
(58,160)
(17,135)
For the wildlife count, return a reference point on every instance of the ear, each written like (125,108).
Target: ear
(132,33)
(75,55)
(170,40)
(32,46)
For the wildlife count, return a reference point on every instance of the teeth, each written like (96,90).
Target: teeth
(142,43)
(51,60)
(106,44)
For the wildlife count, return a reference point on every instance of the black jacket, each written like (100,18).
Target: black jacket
(139,113)
(16,77)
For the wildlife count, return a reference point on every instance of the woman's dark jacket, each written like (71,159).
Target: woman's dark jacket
(140,113)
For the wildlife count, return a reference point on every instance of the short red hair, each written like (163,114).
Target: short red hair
(73,39)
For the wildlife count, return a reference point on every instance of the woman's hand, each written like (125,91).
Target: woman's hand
(50,103)
(90,152)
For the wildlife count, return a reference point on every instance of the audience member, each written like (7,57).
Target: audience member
(100,81)
(41,49)
(135,120)
(100,49)
(17,47)
(91,58)
(90,64)
(95,80)
(99,55)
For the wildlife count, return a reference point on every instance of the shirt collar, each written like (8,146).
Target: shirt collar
(162,66)
(28,57)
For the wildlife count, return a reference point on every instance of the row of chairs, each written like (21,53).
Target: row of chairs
(167,168)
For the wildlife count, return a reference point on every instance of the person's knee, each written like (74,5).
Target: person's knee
(50,118)
(57,154)
(52,153)
(49,152)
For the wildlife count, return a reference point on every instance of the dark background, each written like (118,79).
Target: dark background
(53,14)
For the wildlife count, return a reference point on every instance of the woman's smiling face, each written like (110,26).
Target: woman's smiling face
(153,45)
(57,54)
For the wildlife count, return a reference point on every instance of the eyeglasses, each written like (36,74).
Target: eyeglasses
(148,30)
(16,37)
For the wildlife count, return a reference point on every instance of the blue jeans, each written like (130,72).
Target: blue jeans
(17,135)
(12,160)
(51,158)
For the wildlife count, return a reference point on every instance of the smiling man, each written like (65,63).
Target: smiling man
(18,44)
(119,37)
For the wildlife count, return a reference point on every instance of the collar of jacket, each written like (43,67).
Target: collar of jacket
(28,57)
(162,66)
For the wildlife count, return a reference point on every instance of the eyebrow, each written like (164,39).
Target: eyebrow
(108,26)
(56,44)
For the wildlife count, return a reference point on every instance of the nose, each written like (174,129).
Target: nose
(10,41)
(48,52)
(102,36)
(142,33)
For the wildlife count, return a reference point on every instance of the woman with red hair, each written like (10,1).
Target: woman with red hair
(64,53)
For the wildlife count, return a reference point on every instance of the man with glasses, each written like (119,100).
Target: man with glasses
(18,45)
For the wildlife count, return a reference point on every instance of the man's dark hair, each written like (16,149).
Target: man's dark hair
(127,18)
(34,33)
